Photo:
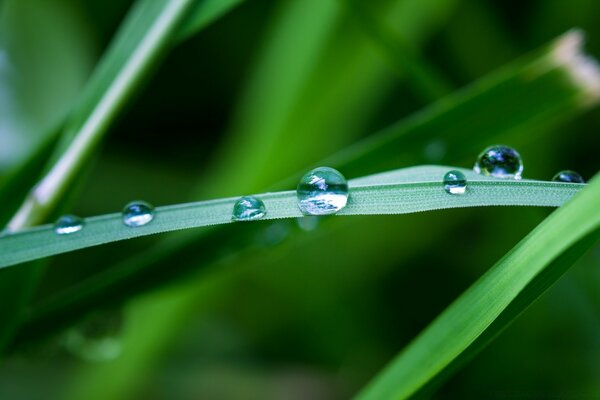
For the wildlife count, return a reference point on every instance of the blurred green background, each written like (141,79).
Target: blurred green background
(304,311)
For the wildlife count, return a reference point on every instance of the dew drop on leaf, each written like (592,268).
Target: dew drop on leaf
(68,224)
(499,162)
(137,213)
(455,182)
(322,191)
(248,208)
(568,176)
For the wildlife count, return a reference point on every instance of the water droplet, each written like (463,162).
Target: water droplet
(68,224)
(96,338)
(568,176)
(322,191)
(499,162)
(137,213)
(455,182)
(248,208)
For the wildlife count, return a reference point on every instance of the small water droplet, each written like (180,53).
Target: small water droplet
(455,182)
(499,162)
(68,224)
(568,176)
(137,213)
(248,208)
(97,338)
(322,191)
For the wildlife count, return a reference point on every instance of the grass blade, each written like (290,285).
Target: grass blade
(517,279)
(144,36)
(399,144)
(420,189)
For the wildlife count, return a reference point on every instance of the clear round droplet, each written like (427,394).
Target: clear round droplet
(455,182)
(248,208)
(568,176)
(499,162)
(322,191)
(137,213)
(97,338)
(68,224)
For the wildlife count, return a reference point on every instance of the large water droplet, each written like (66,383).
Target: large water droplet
(568,176)
(97,338)
(322,191)
(455,182)
(499,162)
(68,224)
(248,208)
(137,213)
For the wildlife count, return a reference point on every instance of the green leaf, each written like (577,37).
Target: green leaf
(505,103)
(45,58)
(495,299)
(420,189)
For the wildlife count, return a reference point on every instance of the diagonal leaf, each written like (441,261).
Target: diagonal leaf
(419,188)
(501,294)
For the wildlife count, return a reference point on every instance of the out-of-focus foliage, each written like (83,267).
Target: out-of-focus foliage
(267,90)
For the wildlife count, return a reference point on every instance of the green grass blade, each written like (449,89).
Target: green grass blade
(401,144)
(503,292)
(145,35)
(419,189)
(428,82)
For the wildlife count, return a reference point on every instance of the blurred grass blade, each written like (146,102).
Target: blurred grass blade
(420,188)
(202,14)
(144,36)
(537,91)
(429,83)
(503,292)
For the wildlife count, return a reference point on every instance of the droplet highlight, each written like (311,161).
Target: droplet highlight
(568,176)
(455,182)
(68,224)
(138,213)
(322,191)
(500,162)
(248,208)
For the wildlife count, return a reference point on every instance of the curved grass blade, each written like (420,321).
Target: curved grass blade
(397,192)
(494,300)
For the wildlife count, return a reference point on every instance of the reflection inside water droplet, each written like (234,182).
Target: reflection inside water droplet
(137,213)
(322,191)
(499,162)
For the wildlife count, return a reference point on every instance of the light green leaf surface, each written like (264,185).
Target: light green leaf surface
(397,192)
(516,280)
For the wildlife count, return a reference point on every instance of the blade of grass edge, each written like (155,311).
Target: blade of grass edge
(475,311)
